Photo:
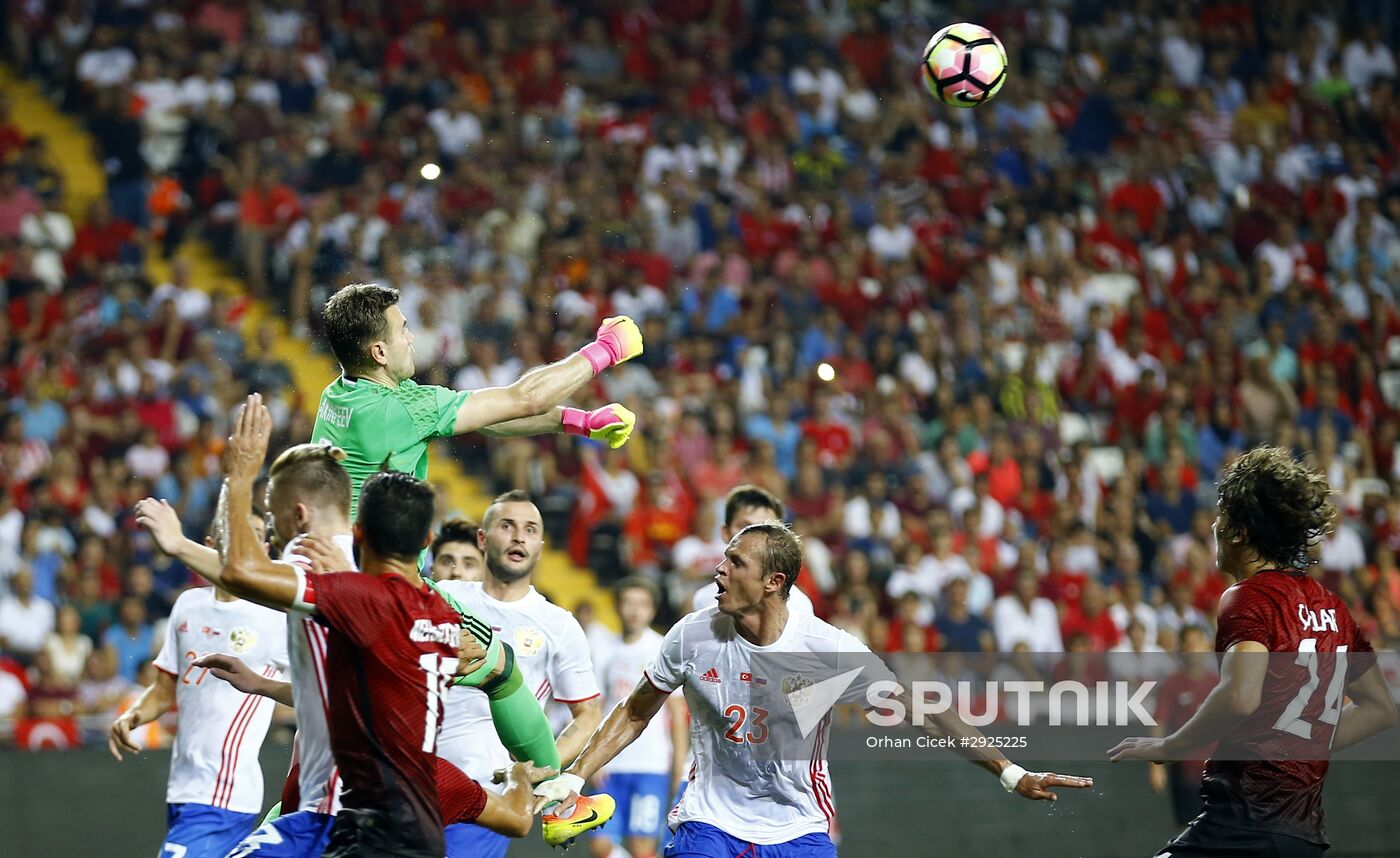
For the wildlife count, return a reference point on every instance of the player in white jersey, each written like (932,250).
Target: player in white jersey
(743,506)
(642,779)
(215,788)
(550,651)
(740,801)
(307,491)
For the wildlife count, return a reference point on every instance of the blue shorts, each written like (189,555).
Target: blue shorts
(468,840)
(303,834)
(201,831)
(701,840)
(641,804)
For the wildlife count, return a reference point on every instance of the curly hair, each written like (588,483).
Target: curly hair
(1279,507)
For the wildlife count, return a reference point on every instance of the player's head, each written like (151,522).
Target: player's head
(259,523)
(760,562)
(1271,510)
(746,505)
(305,485)
(637,601)
(456,554)
(366,331)
(395,518)
(512,536)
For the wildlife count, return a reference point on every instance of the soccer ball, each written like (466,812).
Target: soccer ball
(964,65)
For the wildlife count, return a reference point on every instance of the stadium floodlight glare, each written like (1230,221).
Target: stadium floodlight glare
(825,371)
(430,171)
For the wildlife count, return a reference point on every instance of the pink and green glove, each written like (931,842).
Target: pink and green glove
(619,339)
(611,424)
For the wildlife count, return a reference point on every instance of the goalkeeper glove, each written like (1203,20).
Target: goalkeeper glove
(619,339)
(612,424)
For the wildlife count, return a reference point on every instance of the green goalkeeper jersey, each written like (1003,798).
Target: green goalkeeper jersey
(380,426)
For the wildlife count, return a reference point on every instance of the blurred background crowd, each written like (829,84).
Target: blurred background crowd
(991,359)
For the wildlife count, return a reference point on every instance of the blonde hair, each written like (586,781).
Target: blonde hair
(313,470)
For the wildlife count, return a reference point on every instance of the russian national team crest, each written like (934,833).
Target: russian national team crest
(242,639)
(528,641)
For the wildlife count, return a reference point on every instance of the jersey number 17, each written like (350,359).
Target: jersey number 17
(439,669)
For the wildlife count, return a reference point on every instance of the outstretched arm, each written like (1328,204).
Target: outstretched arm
(248,572)
(541,389)
(620,729)
(1243,670)
(612,424)
(1032,785)
(160,518)
(232,670)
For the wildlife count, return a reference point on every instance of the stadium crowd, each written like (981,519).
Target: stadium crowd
(990,359)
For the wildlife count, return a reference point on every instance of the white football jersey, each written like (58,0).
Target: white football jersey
(552,654)
(708,595)
(318,784)
(651,752)
(742,793)
(221,729)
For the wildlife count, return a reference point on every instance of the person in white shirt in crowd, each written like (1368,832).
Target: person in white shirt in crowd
(67,647)
(1178,612)
(1022,616)
(743,506)
(1131,607)
(106,63)
(551,652)
(644,777)
(860,513)
(25,619)
(891,239)
(1367,58)
(694,557)
(740,800)
(215,790)
(456,127)
(1137,657)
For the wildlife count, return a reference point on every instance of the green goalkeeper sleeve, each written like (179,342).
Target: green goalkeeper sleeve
(515,713)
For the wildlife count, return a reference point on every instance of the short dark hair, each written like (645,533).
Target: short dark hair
(782,551)
(637,582)
(455,530)
(743,497)
(1277,506)
(396,514)
(512,496)
(353,319)
(313,470)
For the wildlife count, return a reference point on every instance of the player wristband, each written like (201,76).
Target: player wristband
(575,420)
(600,357)
(1011,776)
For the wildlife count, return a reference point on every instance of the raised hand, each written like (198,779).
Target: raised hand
(160,519)
(618,340)
(247,446)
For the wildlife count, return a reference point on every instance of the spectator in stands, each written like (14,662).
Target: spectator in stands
(25,619)
(132,640)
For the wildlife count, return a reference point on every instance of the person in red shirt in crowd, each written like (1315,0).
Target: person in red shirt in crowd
(1139,195)
(1089,617)
(265,211)
(1178,698)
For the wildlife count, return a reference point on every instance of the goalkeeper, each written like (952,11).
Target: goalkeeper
(381,418)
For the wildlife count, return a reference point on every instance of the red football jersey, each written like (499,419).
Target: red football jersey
(392,649)
(1268,772)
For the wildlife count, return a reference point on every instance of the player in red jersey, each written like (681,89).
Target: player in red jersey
(393,646)
(1276,720)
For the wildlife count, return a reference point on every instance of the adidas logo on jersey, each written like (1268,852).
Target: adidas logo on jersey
(711,675)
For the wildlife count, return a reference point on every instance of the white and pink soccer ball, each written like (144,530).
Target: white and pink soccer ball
(964,65)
